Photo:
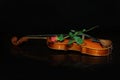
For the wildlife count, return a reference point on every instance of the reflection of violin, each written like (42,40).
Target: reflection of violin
(89,47)
(75,58)
(60,58)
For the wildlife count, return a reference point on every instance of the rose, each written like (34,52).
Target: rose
(54,38)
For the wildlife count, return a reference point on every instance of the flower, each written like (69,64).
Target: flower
(72,36)
(54,38)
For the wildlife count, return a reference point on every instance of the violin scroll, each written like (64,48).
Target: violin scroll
(15,41)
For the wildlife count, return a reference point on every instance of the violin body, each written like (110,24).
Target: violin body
(88,46)
(95,49)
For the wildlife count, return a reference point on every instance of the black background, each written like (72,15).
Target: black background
(56,16)
(52,16)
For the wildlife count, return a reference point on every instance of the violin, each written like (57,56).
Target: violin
(74,40)
(102,47)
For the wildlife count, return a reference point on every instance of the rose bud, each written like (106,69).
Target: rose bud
(54,38)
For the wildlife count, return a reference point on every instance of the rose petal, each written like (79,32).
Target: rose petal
(54,38)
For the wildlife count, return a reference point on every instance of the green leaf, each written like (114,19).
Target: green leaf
(60,37)
(78,40)
(76,33)
(71,34)
(70,42)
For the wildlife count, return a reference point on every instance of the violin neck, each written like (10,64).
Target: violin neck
(40,36)
(31,37)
